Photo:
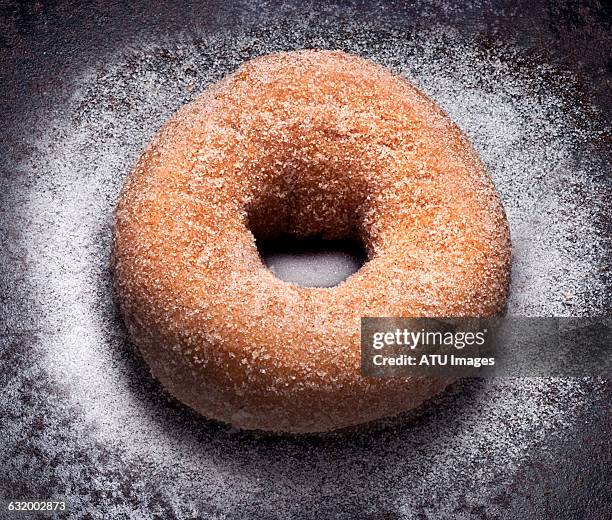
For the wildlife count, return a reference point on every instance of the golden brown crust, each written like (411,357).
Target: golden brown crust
(309,142)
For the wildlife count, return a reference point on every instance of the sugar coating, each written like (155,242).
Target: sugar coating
(305,143)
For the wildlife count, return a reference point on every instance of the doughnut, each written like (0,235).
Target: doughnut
(307,144)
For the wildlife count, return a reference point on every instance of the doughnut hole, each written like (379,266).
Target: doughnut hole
(309,233)
(312,261)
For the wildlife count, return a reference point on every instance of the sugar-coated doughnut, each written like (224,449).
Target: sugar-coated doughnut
(306,143)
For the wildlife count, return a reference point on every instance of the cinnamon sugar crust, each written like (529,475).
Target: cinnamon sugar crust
(306,143)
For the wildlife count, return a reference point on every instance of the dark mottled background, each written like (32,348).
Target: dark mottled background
(74,78)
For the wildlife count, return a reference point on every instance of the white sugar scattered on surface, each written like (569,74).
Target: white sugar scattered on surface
(313,268)
(526,133)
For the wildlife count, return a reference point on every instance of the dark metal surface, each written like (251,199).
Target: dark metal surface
(559,467)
